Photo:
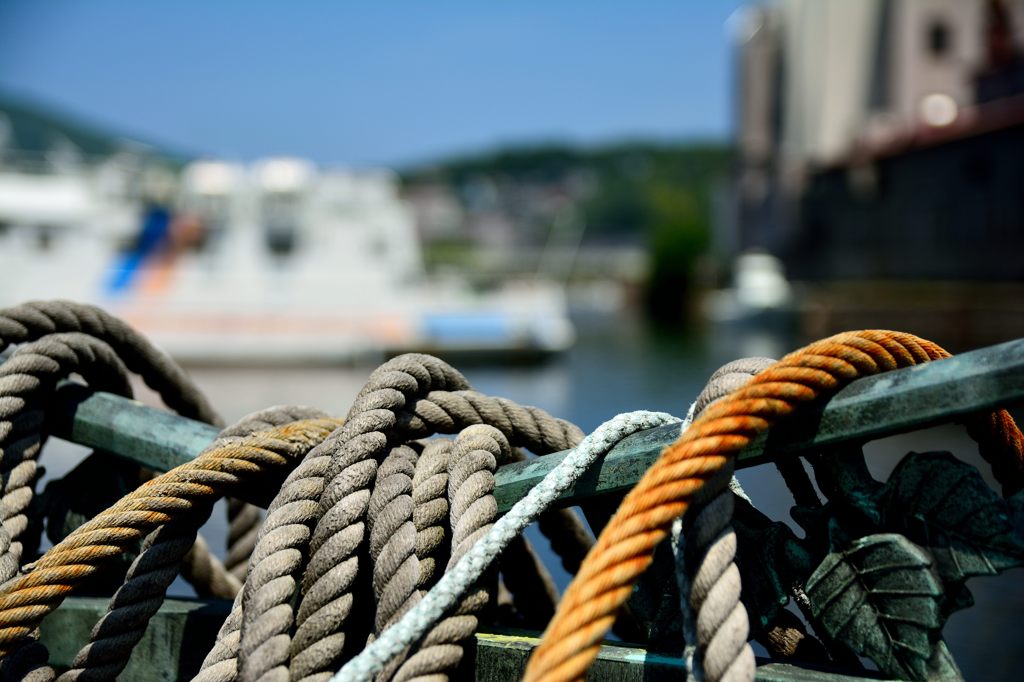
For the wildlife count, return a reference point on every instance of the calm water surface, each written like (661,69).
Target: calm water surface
(619,365)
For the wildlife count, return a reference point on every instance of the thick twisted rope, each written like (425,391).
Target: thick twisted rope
(333,565)
(528,584)
(275,568)
(714,618)
(392,535)
(785,637)
(536,429)
(392,538)
(454,583)
(476,454)
(625,547)
(715,624)
(523,425)
(26,380)
(430,510)
(531,587)
(30,321)
(115,635)
(33,320)
(173,495)
(384,415)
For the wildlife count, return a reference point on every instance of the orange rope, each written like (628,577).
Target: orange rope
(626,546)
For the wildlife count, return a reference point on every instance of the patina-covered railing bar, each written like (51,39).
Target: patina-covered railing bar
(872,407)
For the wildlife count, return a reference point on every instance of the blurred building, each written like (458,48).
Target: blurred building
(882,139)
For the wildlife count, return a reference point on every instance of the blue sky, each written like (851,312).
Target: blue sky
(375,82)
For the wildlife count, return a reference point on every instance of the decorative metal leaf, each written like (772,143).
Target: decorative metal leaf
(881,598)
(943,505)
(770,560)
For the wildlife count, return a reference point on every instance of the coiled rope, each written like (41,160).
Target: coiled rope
(453,584)
(398,403)
(27,599)
(30,375)
(625,547)
(115,635)
(127,349)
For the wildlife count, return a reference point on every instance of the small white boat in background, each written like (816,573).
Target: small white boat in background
(760,290)
(276,262)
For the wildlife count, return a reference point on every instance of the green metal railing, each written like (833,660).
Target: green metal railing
(869,408)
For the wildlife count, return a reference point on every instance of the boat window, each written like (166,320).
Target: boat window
(939,38)
(378,246)
(280,222)
(44,237)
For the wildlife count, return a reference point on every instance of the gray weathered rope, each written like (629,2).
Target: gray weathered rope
(26,379)
(33,320)
(207,575)
(715,624)
(115,635)
(243,526)
(430,512)
(333,564)
(530,584)
(370,422)
(474,458)
(293,513)
(721,627)
(244,519)
(437,410)
(29,663)
(284,517)
(453,585)
(30,321)
(448,411)
(280,555)
(392,534)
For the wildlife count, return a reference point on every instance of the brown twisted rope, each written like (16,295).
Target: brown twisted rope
(25,601)
(626,546)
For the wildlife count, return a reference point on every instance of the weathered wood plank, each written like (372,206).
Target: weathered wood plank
(868,408)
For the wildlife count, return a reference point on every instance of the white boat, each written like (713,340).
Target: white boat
(760,292)
(276,262)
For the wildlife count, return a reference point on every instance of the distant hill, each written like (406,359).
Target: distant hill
(623,188)
(36,128)
(656,194)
